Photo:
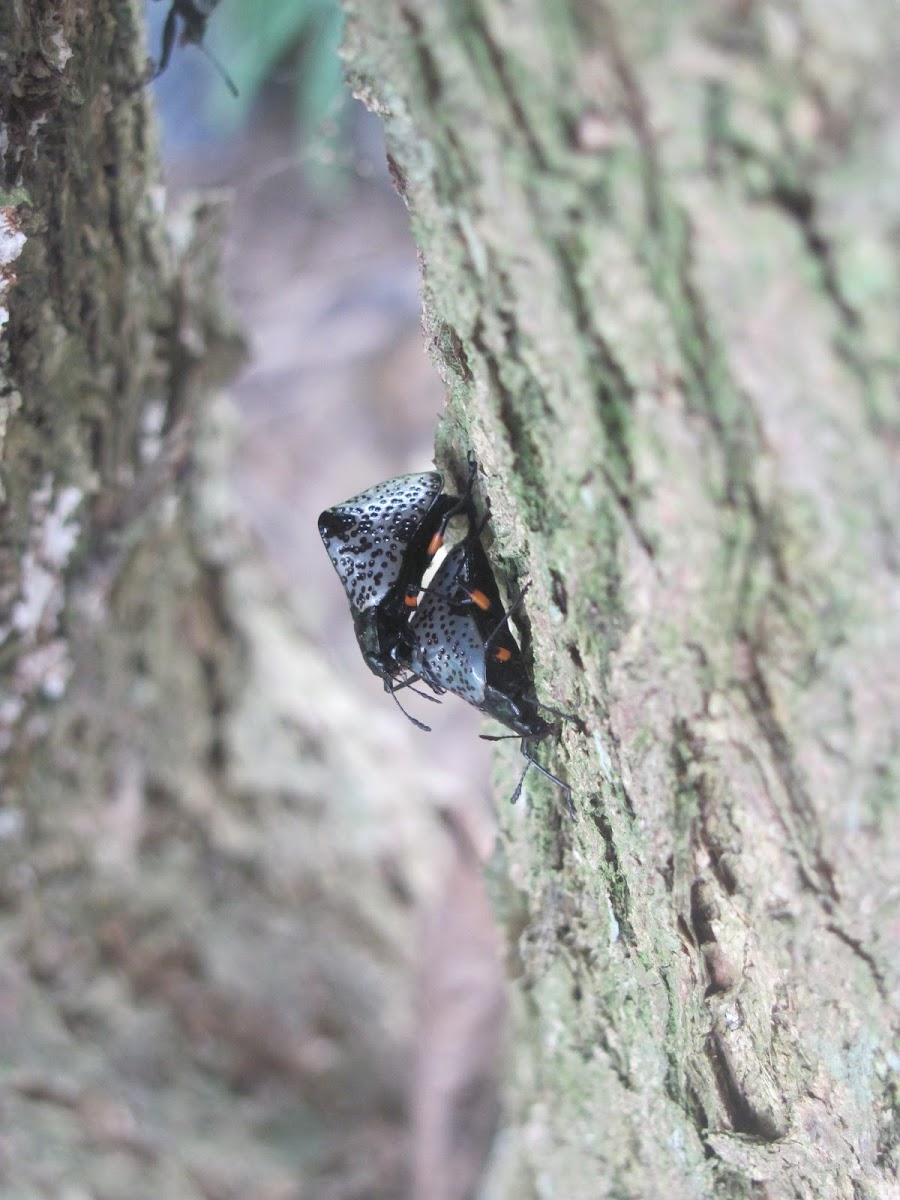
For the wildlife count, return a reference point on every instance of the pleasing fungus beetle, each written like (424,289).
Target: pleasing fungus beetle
(381,543)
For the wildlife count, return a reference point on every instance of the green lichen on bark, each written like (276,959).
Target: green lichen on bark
(78,353)
(655,266)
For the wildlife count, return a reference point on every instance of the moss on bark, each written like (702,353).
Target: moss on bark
(659,247)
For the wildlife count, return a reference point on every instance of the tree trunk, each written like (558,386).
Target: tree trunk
(210,874)
(661,273)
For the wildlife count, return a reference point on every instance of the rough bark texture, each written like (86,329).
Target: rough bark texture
(208,900)
(660,252)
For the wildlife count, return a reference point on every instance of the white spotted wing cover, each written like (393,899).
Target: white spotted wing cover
(366,537)
(448,650)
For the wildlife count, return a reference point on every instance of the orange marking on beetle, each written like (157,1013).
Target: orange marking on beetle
(502,654)
(411,600)
(480,599)
(435,544)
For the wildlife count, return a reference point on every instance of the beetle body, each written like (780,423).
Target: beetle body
(381,543)
(456,638)
(462,643)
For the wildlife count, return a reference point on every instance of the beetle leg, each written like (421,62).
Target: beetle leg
(168,40)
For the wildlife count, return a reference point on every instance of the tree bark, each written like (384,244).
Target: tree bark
(661,278)
(210,874)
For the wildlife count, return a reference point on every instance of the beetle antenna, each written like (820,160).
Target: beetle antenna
(418,724)
(232,86)
(531,762)
(509,612)
(518,792)
(408,683)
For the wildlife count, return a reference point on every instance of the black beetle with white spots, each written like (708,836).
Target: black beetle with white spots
(450,632)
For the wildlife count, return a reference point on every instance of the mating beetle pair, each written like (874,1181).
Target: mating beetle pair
(451,634)
(382,543)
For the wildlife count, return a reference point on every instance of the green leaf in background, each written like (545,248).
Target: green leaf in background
(299,40)
(321,82)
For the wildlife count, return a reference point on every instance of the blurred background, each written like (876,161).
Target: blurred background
(321,274)
(337,394)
